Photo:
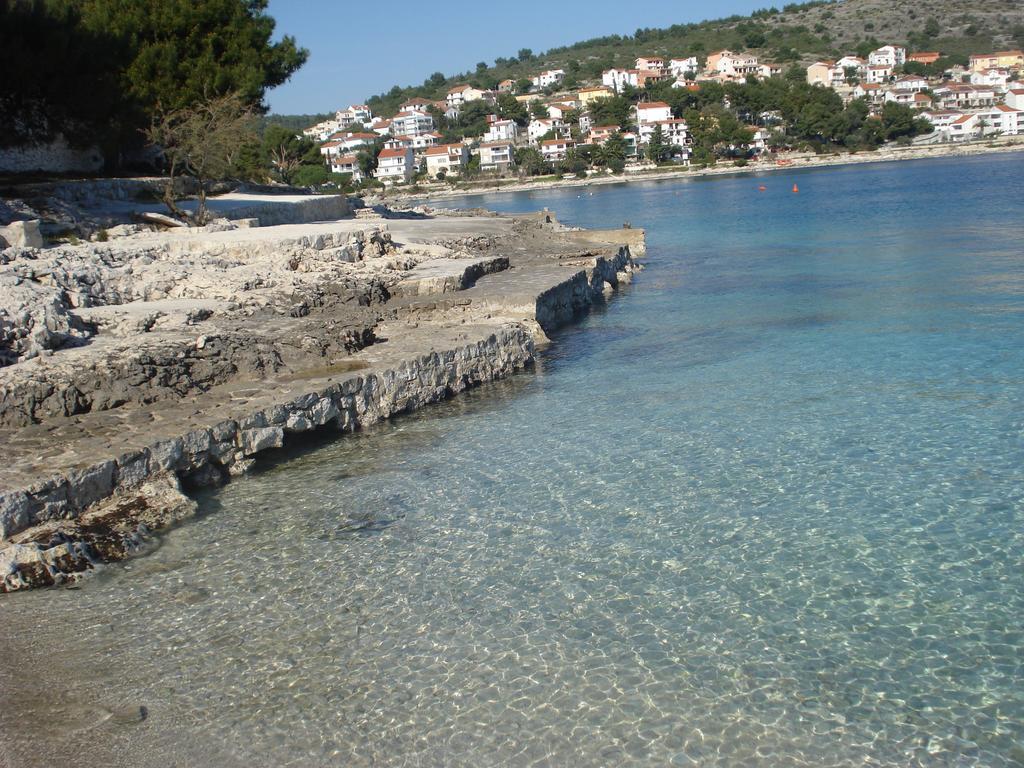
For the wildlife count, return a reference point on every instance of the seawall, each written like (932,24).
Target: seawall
(106,508)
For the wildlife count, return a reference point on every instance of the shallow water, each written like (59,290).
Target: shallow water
(764,509)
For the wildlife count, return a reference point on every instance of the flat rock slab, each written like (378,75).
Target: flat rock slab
(41,450)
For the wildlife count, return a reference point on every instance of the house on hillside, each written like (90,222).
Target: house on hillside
(1001,119)
(728,66)
(395,166)
(497,156)
(600,134)
(1015,98)
(412,122)
(997,78)
(356,113)
(507,86)
(878,73)
(450,158)
(964,96)
(345,142)
(559,110)
(999,60)
(913,83)
(587,95)
(460,94)
(654,63)
(823,73)
(540,127)
(617,79)
(675,132)
(346,164)
(554,150)
(870,92)
(684,67)
(891,56)
(501,130)
(380,126)
(549,78)
(651,112)
(322,131)
(909,98)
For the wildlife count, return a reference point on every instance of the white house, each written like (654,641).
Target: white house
(617,79)
(878,73)
(412,122)
(425,140)
(674,132)
(541,126)
(398,142)
(460,94)
(548,78)
(909,98)
(502,130)
(852,62)
(450,158)
(380,126)
(1001,119)
(910,83)
(726,65)
(871,92)
(996,78)
(497,155)
(888,55)
(356,113)
(554,150)
(963,96)
(560,110)
(682,67)
(395,166)
(941,119)
(346,164)
(652,112)
(343,143)
(1015,98)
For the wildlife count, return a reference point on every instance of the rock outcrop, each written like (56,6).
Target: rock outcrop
(152,360)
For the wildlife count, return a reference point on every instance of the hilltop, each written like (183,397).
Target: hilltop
(795,33)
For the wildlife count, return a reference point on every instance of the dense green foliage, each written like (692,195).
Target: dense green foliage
(796,32)
(100,69)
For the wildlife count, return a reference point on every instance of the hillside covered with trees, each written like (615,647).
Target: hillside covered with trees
(794,33)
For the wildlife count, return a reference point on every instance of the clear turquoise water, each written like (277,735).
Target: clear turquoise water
(764,509)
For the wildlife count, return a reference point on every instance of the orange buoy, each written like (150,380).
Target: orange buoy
(762,188)
(796,188)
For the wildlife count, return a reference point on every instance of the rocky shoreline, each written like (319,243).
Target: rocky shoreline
(179,357)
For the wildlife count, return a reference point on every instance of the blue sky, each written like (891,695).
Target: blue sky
(360,48)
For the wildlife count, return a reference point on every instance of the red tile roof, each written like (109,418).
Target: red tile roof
(394,152)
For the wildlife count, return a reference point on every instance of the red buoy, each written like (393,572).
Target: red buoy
(796,188)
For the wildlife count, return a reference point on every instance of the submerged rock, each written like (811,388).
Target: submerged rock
(60,551)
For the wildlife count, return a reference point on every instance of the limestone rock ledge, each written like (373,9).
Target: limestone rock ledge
(106,507)
(62,526)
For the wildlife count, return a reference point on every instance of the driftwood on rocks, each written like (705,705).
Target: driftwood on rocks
(160,219)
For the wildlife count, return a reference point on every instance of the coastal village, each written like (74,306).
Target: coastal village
(535,126)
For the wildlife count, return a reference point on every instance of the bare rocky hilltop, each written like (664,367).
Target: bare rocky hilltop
(146,361)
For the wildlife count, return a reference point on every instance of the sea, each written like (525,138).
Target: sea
(765,507)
